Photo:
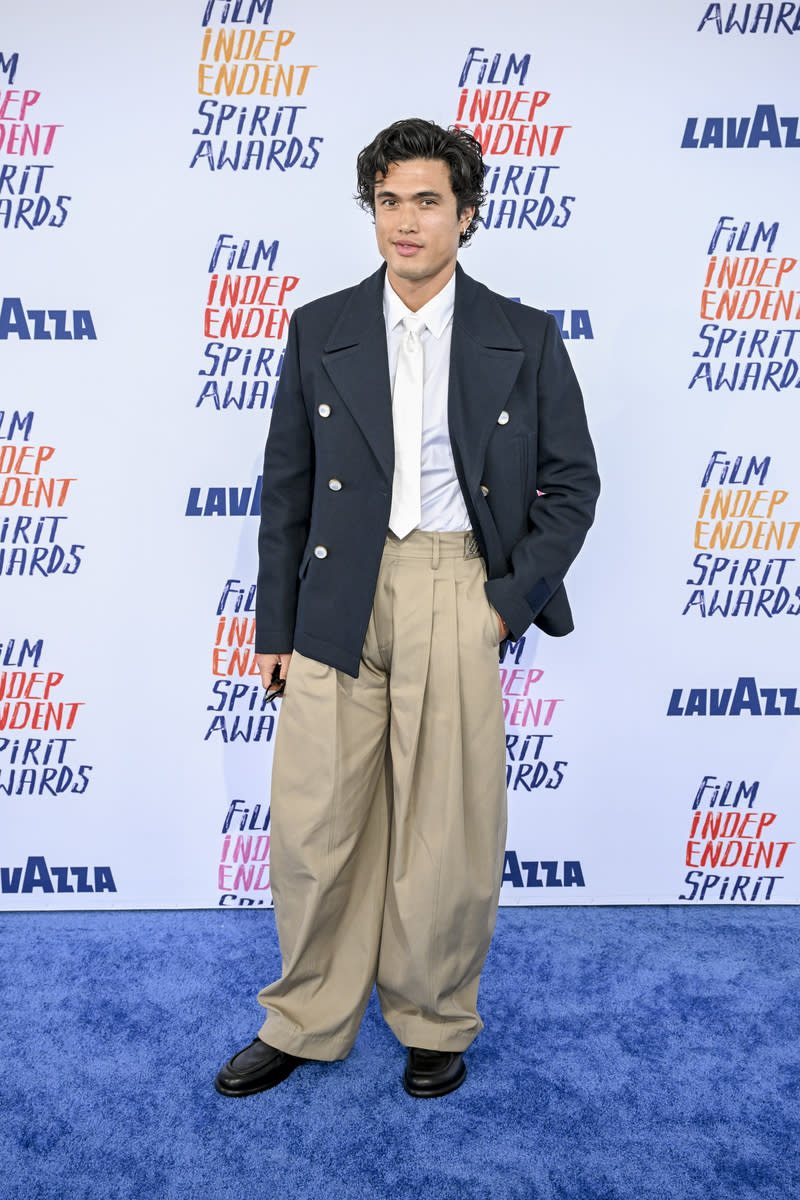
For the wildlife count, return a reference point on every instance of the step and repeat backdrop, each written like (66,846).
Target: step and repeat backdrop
(175,179)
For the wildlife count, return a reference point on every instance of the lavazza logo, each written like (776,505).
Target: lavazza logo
(744,698)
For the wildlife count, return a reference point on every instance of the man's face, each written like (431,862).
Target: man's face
(418,226)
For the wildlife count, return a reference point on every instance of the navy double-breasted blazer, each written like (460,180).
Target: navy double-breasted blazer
(520,442)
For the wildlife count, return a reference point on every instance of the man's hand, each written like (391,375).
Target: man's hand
(267,664)
(504,630)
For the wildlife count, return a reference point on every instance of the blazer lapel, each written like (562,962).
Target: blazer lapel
(485,359)
(357,363)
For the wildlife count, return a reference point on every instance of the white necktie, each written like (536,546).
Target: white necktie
(407,419)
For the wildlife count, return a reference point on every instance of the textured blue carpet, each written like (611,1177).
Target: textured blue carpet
(629,1054)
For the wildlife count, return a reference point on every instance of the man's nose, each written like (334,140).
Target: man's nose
(408,218)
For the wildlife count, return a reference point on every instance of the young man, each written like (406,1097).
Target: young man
(428,479)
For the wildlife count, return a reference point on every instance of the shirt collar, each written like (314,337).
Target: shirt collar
(436,314)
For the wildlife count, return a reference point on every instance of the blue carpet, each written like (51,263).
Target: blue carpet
(629,1054)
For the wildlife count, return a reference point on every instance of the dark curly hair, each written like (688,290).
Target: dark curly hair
(415,138)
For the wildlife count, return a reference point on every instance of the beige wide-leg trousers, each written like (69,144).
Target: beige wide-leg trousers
(389,815)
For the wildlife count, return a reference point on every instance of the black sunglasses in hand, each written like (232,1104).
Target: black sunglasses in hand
(276,685)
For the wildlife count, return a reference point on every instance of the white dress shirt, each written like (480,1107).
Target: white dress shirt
(442,505)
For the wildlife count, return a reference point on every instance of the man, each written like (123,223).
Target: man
(426,434)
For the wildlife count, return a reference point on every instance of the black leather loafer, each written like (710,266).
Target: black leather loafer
(432,1073)
(255,1069)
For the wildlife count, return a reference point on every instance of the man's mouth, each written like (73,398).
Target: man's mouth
(407,248)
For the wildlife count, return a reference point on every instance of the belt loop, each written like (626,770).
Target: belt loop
(435,558)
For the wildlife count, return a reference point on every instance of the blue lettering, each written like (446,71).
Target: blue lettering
(10,879)
(768,131)
(745,698)
(9,65)
(256,6)
(104,880)
(511,872)
(12,319)
(36,875)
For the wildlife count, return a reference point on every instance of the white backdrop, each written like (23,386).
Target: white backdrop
(643,178)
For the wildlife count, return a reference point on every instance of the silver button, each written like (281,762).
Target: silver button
(335,485)
(484,489)
(320,552)
(324,410)
(503,418)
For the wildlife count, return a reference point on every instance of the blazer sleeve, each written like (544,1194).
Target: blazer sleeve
(568,485)
(285,506)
